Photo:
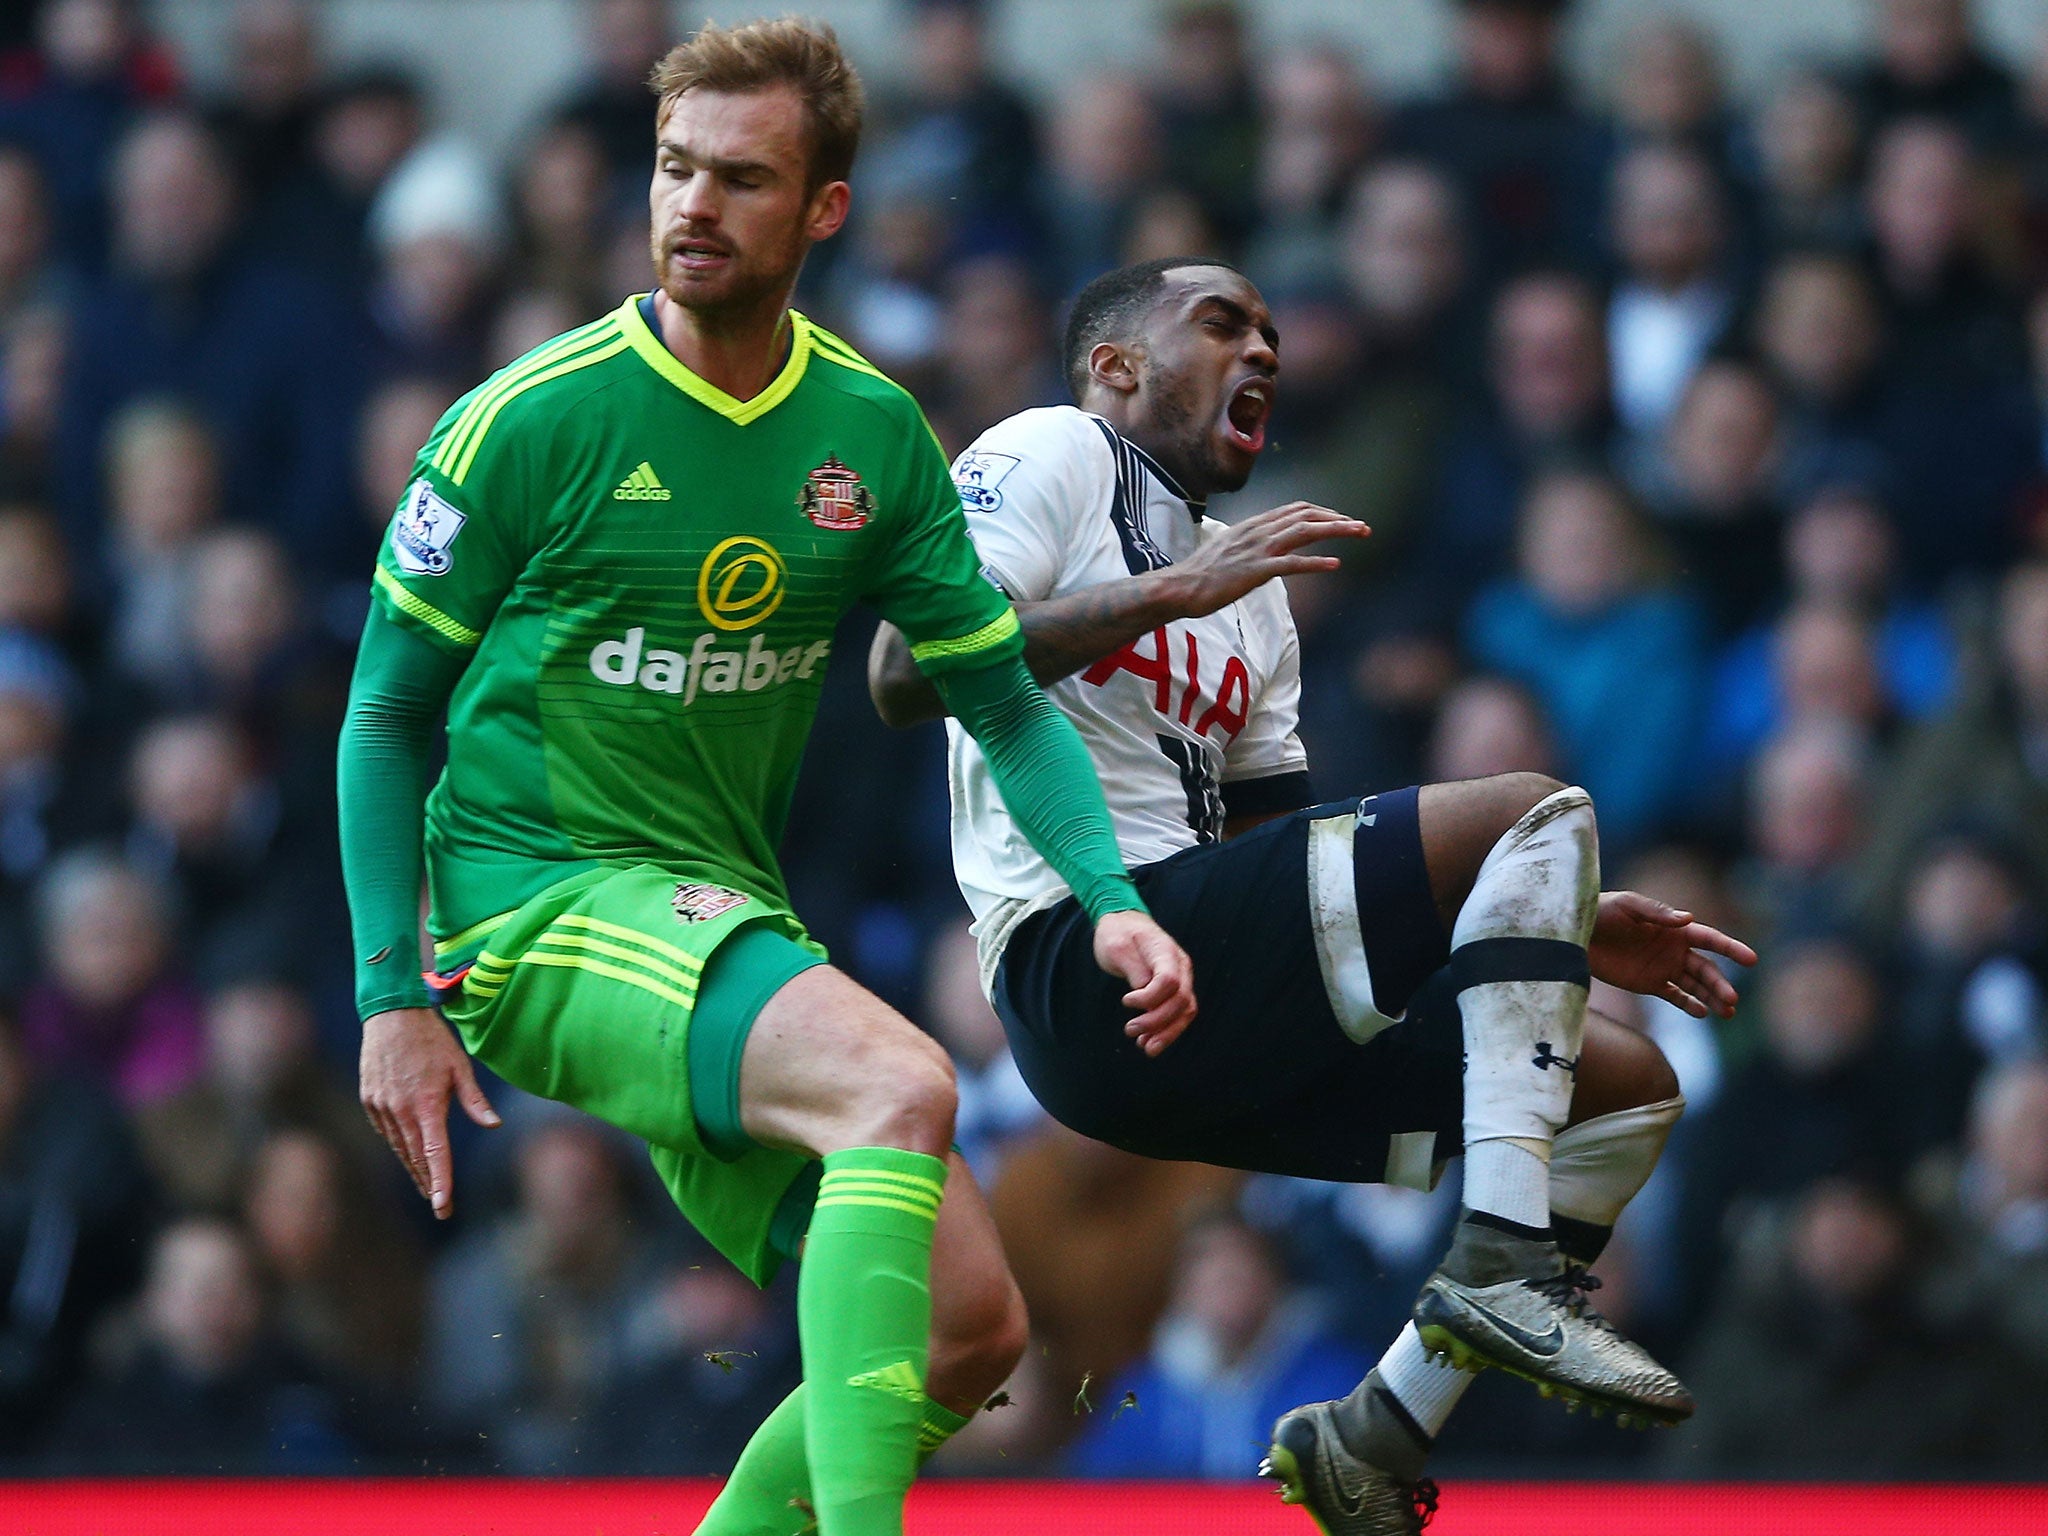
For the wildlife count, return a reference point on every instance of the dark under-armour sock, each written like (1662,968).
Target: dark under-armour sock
(1392,1418)
(1488,1249)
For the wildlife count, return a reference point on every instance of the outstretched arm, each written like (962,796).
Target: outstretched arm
(411,1062)
(1064,634)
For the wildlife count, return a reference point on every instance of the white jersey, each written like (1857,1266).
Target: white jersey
(1056,502)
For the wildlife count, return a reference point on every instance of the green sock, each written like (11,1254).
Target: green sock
(864,1311)
(769,1492)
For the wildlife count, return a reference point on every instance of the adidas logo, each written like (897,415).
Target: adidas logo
(641,485)
(898,1380)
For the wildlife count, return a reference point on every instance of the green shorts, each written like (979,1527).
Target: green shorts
(630,994)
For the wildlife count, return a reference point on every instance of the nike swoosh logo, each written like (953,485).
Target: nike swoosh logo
(1546,1343)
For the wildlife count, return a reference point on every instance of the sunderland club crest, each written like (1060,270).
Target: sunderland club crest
(833,497)
(701,903)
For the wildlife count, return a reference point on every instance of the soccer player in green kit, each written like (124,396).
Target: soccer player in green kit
(618,570)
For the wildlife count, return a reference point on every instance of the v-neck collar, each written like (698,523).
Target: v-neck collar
(1196,509)
(655,353)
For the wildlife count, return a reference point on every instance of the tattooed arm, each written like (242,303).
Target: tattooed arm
(1064,634)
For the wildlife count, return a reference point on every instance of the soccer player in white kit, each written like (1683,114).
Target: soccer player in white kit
(1385,981)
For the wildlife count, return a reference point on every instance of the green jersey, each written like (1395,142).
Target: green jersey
(646,574)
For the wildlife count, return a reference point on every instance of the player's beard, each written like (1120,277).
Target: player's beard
(1197,464)
(759,280)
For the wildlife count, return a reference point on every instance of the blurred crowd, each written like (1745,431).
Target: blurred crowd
(1706,444)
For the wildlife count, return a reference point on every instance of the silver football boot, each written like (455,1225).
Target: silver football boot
(1544,1330)
(1343,1495)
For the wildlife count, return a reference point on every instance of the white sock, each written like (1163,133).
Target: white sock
(1427,1387)
(1508,1179)
(1518,954)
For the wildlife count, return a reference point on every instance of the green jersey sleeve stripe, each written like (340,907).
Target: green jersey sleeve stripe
(483,427)
(993,633)
(833,350)
(425,612)
(552,352)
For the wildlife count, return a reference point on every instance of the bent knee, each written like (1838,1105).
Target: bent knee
(1620,1068)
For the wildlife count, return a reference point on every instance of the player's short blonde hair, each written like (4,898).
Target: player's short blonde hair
(803,55)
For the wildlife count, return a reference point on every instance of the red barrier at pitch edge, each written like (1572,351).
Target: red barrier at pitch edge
(506,1508)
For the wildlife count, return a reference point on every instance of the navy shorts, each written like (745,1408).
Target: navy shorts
(1327,1046)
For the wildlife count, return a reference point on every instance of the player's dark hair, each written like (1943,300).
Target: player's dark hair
(1112,306)
(803,55)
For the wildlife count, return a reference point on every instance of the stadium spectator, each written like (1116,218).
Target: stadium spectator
(526,1317)
(1828,1091)
(366,123)
(439,235)
(1991,1210)
(70,99)
(1982,757)
(1237,1348)
(624,39)
(1971,995)
(38,798)
(31,385)
(1809,821)
(1805,165)
(1320,125)
(30,276)
(398,417)
(1669,89)
(1820,333)
(255,345)
(1373,366)
(1840,552)
(261,1075)
(1713,485)
(35,576)
(73,1201)
(1489,725)
(1928,62)
(112,1000)
(1584,610)
(1821,1337)
(1208,106)
(1675,298)
(1107,143)
(345,1280)
(163,479)
(966,138)
(266,115)
(563,205)
(995,350)
(1549,408)
(1527,161)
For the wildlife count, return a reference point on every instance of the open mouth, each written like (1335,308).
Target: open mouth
(1244,418)
(698,255)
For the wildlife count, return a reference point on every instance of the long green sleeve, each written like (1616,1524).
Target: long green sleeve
(1046,777)
(395,702)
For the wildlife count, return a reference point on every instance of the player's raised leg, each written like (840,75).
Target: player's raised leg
(1357,1464)
(832,1071)
(978,1335)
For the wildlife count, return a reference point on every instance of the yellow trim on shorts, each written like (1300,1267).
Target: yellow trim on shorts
(648,963)
(619,931)
(639,979)
(455,941)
